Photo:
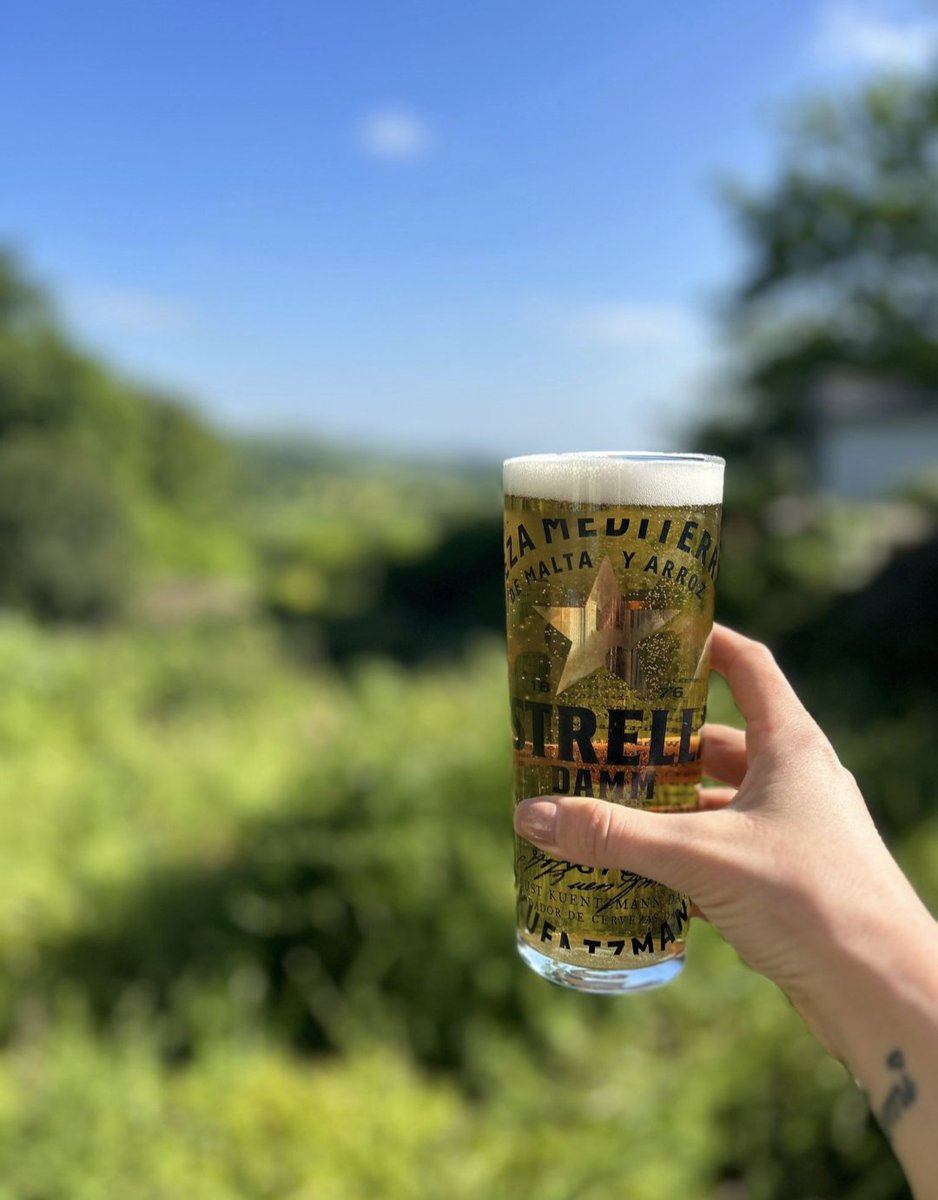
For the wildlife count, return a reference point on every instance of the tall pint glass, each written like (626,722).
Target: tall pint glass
(610,564)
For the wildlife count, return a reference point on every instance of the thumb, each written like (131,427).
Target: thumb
(672,848)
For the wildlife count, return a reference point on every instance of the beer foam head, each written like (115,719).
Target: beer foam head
(632,477)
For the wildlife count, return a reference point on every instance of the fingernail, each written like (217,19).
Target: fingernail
(536,820)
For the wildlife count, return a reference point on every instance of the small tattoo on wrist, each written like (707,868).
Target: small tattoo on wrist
(902,1095)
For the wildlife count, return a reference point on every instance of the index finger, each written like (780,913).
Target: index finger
(765,697)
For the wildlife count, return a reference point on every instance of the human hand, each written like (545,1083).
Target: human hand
(785,861)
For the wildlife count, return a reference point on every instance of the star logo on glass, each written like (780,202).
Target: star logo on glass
(605,630)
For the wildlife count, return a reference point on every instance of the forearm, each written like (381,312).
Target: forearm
(879,1014)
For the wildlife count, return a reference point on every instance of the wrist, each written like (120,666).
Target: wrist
(876,978)
(879,1014)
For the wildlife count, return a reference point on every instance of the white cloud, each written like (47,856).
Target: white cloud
(394,133)
(620,323)
(129,310)
(869,35)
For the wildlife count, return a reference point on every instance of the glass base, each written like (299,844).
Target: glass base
(609,983)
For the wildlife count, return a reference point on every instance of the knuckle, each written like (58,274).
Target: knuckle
(849,777)
(762,653)
(598,831)
(816,741)
(828,754)
(851,783)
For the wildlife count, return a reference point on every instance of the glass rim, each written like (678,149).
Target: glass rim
(663,456)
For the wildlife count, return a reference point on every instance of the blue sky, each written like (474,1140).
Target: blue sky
(486,227)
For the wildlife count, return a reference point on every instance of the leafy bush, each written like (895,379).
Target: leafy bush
(65,545)
(222,860)
(92,464)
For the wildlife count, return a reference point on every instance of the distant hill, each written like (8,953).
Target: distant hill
(117,499)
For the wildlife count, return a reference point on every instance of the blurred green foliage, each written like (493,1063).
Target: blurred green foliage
(103,485)
(255,925)
(255,942)
(841,273)
(65,543)
(363,555)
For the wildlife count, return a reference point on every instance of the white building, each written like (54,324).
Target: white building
(874,436)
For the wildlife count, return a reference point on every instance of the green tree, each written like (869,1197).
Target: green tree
(842,274)
(188,464)
(65,545)
(97,476)
(841,282)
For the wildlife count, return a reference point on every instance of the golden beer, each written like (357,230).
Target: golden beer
(610,565)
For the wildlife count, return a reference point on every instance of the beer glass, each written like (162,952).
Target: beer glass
(610,564)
